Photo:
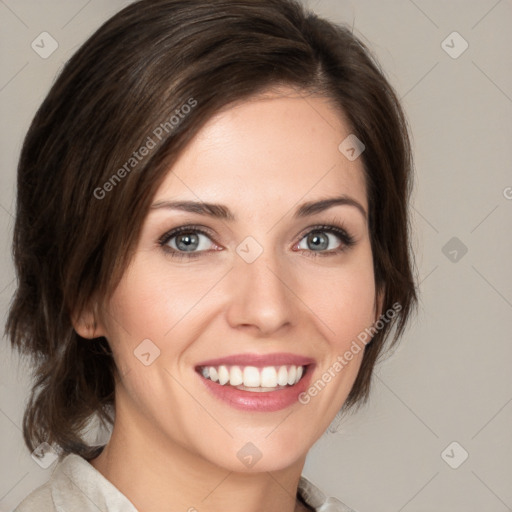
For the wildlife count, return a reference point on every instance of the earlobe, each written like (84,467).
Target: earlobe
(86,325)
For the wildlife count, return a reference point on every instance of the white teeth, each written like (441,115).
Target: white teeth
(267,378)
(251,377)
(236,377)
(213,374)
(282,376)
(223,375)
(292,373)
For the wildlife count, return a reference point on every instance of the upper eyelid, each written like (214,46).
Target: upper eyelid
(171,233)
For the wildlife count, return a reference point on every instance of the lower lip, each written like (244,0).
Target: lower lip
(267,401)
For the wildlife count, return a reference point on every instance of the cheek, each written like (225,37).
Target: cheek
(153,303)
(345,303)
(151,300)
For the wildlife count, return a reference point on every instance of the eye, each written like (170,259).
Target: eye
(325,241)
(193,241)
(186,241)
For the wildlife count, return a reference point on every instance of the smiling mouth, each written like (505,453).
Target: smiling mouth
(254,379)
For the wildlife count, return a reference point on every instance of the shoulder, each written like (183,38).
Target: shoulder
(75,485)
(314,498)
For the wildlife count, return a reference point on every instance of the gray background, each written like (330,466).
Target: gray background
(450,379)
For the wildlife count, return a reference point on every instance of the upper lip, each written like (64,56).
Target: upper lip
(259,360)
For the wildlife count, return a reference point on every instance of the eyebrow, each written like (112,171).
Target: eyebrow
(220,211)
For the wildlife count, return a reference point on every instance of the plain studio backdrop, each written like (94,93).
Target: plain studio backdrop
(436,434)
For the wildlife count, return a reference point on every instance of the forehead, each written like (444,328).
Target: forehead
(267,154)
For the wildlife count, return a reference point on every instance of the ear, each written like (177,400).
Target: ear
(86,323)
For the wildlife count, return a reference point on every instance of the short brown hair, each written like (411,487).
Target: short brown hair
(73,240)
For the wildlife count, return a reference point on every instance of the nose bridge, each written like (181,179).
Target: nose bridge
(261,294)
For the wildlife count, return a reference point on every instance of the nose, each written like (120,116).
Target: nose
(262,296)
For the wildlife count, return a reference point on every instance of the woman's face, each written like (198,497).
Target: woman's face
(257,288)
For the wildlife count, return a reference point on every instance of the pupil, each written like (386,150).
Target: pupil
(316,240)
(187,242)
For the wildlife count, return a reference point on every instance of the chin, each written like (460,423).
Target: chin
(258,453)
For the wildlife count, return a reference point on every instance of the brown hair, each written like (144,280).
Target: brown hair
(78,215)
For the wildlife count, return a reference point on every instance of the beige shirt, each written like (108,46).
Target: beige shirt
(76,486)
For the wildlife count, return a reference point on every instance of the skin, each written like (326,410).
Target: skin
(173,442)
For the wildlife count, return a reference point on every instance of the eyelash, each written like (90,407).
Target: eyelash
(347,240)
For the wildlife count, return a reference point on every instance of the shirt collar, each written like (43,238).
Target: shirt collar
(312,496)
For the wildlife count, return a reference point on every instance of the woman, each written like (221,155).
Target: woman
(212,248)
